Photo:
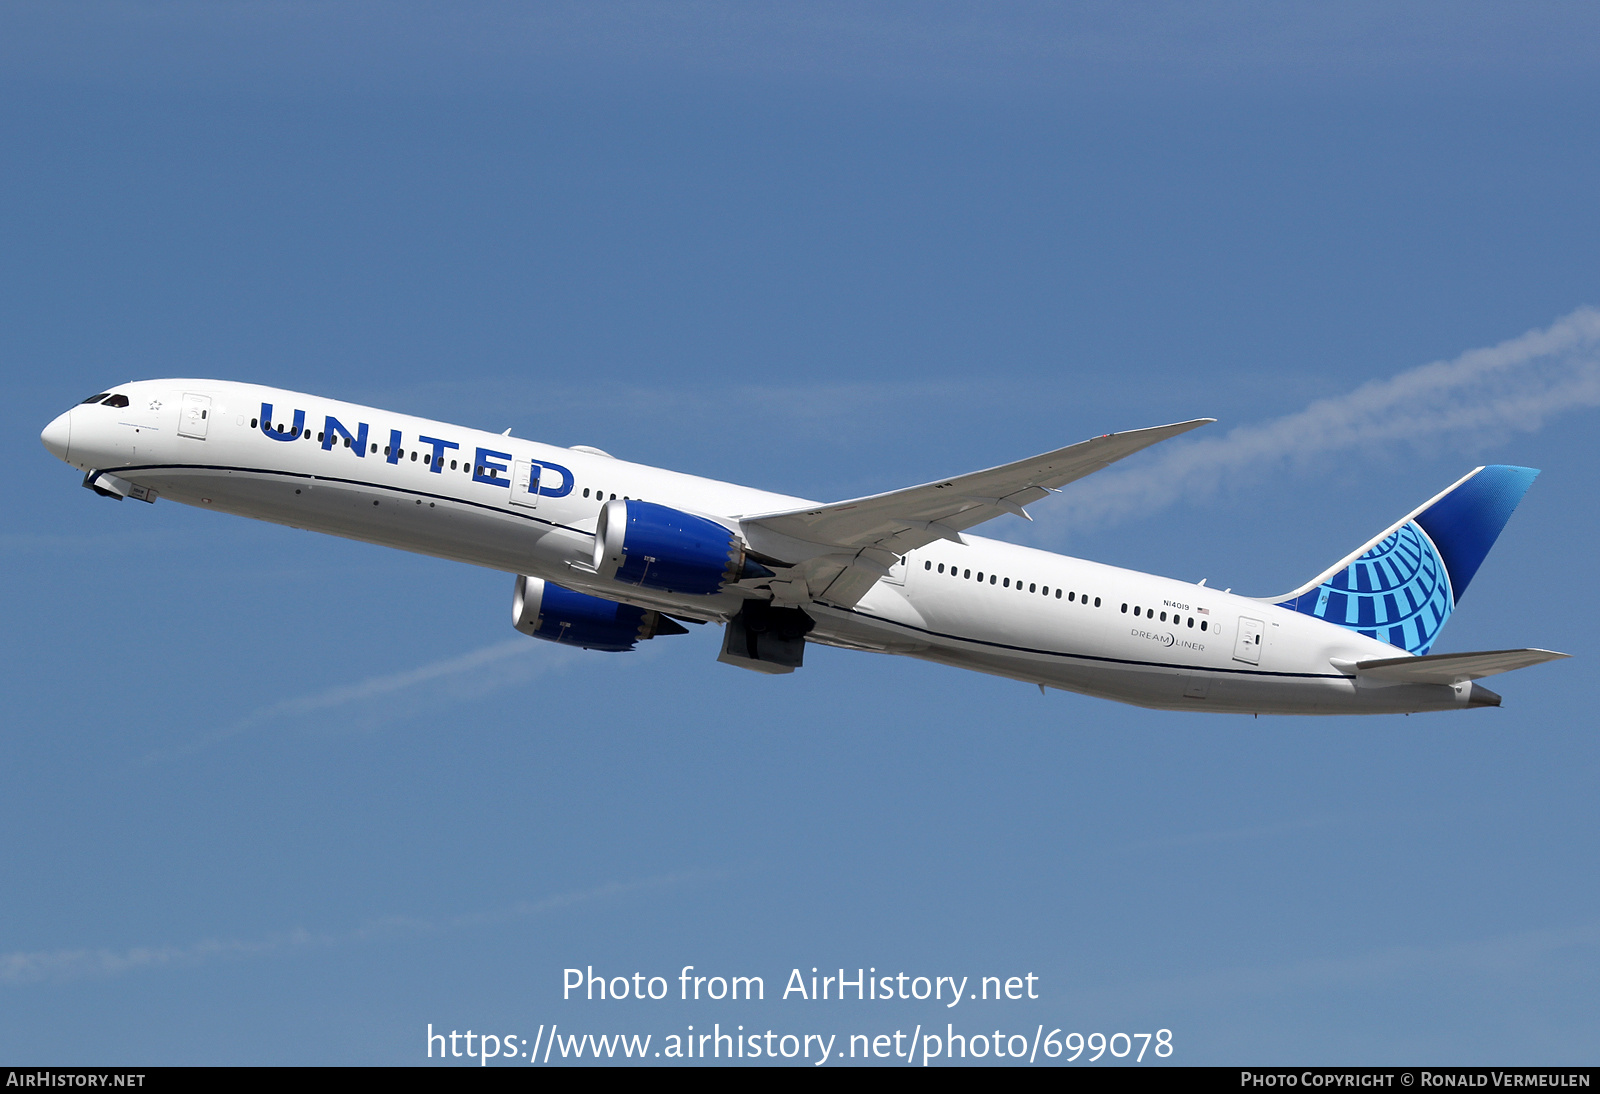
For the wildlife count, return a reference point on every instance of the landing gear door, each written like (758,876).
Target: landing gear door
(194,416)
(1247,646)
(525,484)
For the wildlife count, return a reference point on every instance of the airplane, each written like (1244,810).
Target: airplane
(608,553)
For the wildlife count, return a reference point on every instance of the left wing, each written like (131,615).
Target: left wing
(842,549)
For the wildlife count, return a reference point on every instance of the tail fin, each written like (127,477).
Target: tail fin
(1402,586)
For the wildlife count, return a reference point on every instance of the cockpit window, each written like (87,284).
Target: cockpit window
(116,400)
(94,398)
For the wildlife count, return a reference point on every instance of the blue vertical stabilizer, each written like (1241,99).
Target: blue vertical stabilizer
(1402,586)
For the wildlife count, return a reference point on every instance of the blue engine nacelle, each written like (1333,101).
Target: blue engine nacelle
(658,547)
(548,611)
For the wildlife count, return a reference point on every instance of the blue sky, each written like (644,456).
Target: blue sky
(272,797)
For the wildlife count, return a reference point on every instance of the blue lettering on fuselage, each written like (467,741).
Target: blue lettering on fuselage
(436,461)
(490,467)
(487,470)
(545,490)
(279,435)
(356,443)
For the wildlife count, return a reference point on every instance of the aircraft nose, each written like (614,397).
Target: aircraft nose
(57,436)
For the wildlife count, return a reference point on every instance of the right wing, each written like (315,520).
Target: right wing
(843,548)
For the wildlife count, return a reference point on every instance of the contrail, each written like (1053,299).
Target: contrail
(24,967)
(1509,388)
(375,687)
(1514,958)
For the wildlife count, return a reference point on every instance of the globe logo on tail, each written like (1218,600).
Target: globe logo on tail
(1397,592)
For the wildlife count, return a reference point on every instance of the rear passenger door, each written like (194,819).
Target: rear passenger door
(1247,646)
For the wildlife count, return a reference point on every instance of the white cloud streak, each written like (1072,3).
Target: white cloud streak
(451,670)
(31,967)
(1506,958)
(1484,394)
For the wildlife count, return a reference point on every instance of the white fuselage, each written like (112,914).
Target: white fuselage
(440,490)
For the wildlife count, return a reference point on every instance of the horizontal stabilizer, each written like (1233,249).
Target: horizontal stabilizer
(1452,668)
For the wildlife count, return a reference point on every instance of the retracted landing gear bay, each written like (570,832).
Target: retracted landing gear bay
(766,639)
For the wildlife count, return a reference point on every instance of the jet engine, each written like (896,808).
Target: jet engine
(546,610)
(658,547)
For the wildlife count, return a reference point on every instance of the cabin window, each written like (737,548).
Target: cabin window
(980,577)
(1136,609)
(1071,597)
(992,579)
(1008,583)
(253,423)
(1058,594)
(941,567)
(413,457)
(925,565)
(347,442)
(1032,588)
(585,491)
(1097,601)
(1191,621)
(1202,624)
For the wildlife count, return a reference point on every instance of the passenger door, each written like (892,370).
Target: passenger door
(194,416)
(525,483)
(1247,646)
